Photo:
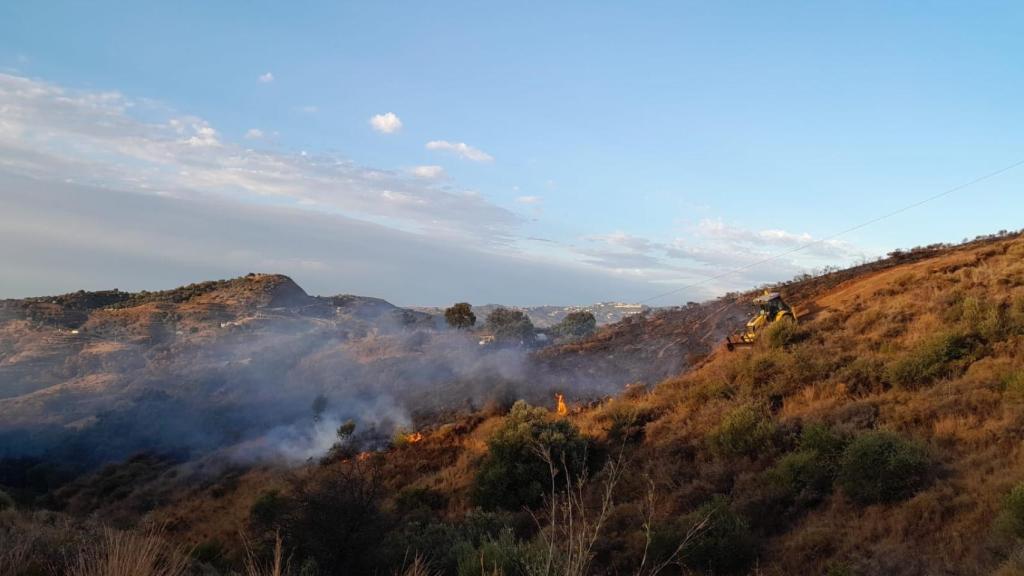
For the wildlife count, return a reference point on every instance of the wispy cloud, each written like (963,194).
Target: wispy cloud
(461,149)
(254,134)
(266,78)
(429,172)
(387,123)
(96,137)
(712,249)
(529,199)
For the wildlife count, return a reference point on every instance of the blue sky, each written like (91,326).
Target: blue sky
(629,147)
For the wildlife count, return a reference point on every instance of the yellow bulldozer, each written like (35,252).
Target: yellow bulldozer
(771,309)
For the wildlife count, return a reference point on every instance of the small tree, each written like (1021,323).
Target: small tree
(510,326)
(516,472)
(576,325)
(460,316)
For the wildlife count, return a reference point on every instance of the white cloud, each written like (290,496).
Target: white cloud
(429,172)
(266,78)
(49,132)
(460,148)
(387,123)
(529,199)
(254,134)
(308,109)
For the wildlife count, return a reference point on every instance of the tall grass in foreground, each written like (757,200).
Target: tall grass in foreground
(13,555)
(418,567)
(130,554)
(254,566)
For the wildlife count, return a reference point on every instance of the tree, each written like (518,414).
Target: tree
(510,326)
(460,316)
(319,405)
(576,325)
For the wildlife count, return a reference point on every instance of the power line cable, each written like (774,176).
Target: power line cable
(865,224)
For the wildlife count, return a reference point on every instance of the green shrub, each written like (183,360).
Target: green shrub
(783,334)
(982,317)
(504,555)
(513,474)
(745,431)
(6,502)
(939,356)
(723,545)
(804,477)
(267,508)
(864,374)
(1013,384)
(1011,519)
(1015,316)
(626,423)
(879,467)
(418,499)
(436,542)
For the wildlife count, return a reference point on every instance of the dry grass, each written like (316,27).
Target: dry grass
(418,567)
(130,554)
(277,565)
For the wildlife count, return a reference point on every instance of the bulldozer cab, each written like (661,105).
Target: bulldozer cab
(771,309)
(772,306)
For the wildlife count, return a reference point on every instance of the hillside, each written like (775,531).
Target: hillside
(881,435)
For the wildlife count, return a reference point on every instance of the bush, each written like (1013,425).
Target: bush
(514,474)
(806,476)
(6,502)
(880,467)
(864,375)
(437,543)
(334,518)
(1016,316)
(746,431)
(1011,519)
(627,422)
(414,499)
(783,334)
(723,545)
(266,510)
(939,356)
(504,555)
(1013,383)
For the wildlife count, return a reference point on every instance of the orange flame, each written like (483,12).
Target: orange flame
(413,438)
(562,408)
(364,456)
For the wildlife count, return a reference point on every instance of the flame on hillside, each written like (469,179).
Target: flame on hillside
(561,408)
(413,437)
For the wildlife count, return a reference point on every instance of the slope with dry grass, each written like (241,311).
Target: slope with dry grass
(879,436)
